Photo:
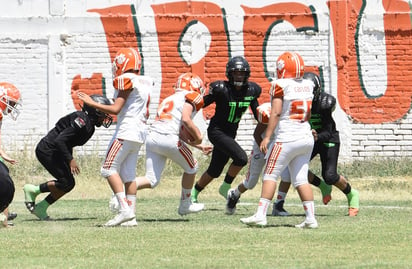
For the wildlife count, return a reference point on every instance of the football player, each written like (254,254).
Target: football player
(10,104)
(327,144)
(232,98)
(131,105)
(165,140)
(55,153)
(292,145)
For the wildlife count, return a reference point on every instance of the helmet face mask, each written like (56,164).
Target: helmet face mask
(99,118)
(238,71)
(10,100)
(190,82)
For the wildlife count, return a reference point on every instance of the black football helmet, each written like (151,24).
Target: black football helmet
(97,117)
(238,63)
(316,80)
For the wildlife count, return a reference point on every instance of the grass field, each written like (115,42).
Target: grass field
(379,237)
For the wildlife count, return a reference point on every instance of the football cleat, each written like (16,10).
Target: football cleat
(130,223)
(353,201)
(30,195)
(254,221)
(121,217)
(40,211)
(231,202)
(307,225)
(223,189)
(188,207)
(278,209)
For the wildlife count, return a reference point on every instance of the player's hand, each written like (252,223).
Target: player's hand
(74,168)
(315,135)
(264,145)
(206,149)
(85,98)
(9,160)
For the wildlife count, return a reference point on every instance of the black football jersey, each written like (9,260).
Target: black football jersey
(231,104)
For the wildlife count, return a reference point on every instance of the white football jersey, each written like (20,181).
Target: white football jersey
(297,103)
(169,113)
(131,121)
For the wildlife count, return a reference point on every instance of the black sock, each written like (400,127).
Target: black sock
(44,188)
(198,188)
(229,179)
(348,189)
(315,181)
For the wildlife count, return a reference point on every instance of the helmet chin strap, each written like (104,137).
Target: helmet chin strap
(238,83)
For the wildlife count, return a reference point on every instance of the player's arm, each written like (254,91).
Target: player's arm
(259,130)
(327,105)
(275,113)
(3,154)
(215,88)
(255,103)
(113,109)
(190,125)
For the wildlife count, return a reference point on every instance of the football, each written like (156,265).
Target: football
(185,135)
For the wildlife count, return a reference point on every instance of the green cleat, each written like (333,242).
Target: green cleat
(193,195)
(30,193)
(40,210)
(224,188)
(353,202)
(326,191)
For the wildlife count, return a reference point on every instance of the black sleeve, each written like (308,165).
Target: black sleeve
(215,88)
(328,126)
(72,134)
(63,142)
(257,90)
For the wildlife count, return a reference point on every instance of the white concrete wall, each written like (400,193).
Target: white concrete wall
(44,44)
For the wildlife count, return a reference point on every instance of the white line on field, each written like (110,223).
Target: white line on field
(320,205)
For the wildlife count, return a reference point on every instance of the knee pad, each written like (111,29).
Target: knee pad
(250,183)
(330,177)
(65,184)
(242,161)
(106,172)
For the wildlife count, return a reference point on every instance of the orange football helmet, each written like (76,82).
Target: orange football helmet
(125,60)
(190,82)
(290,65)
(10,100)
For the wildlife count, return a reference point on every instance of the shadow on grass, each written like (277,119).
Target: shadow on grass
(58,219)
(165,220)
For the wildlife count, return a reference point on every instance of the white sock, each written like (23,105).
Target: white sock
(131,201)
(309,207)
(185,194)
(262,208)
(121,197)
(237,192)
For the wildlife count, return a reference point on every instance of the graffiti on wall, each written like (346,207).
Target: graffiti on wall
(173,19)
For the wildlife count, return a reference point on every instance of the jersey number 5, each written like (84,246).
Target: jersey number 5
(300,110)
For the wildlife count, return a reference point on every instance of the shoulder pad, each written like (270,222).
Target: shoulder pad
(122,83)
(256,89)
(217,87)
(195,99)
(79,121)
(327,101)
